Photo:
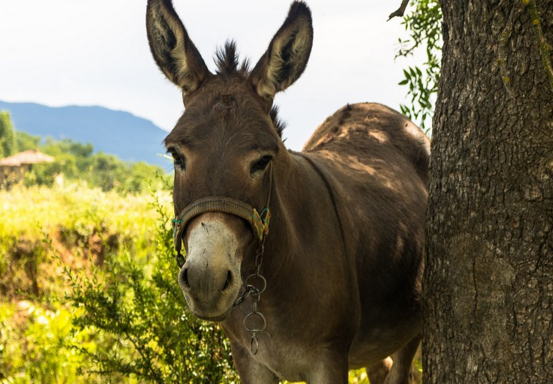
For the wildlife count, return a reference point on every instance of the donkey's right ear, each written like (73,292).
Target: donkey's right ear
(173,51)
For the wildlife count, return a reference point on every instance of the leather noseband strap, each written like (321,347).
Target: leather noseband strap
(258,221)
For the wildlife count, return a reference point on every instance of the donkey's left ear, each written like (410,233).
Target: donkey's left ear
(287,55)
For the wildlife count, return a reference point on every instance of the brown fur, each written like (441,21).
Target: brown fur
(343,259)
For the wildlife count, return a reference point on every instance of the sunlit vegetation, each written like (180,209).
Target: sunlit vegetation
(89,292)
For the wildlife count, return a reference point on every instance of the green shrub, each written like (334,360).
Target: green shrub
(35,344)
(138,310)
(121,321)
(8,140)
(76,162)
(26,141)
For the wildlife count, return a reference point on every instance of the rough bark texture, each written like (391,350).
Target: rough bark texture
(488,284)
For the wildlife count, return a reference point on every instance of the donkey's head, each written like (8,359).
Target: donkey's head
(225,147)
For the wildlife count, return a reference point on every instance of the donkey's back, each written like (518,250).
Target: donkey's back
(373,132)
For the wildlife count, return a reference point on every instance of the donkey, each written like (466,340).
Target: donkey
(310,260)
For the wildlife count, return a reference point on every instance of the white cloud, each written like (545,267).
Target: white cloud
(86,52)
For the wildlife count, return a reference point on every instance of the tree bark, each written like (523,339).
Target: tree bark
(488,283)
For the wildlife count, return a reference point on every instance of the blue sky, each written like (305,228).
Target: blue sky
(95,52)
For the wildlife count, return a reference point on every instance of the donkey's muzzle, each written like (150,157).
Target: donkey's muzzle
(210,277)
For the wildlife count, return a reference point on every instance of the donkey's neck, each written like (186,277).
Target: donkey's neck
(304,223)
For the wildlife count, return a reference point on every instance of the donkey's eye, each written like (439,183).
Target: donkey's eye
(261,164)
(178,159)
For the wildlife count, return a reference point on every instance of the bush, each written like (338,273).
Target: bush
(123,320)
(138,311)
(76,162)
(34,344)
(82,226)
(8,141)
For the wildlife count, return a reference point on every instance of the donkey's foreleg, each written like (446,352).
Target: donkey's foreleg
(249,370)
(401,367)
(331,369)
(378,372)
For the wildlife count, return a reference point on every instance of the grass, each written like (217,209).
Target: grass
(28,213)
(80,224)
(42,231)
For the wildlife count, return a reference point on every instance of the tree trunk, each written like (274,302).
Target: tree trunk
(488,283)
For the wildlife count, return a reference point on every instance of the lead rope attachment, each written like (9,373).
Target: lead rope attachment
(177,223)
(255,293)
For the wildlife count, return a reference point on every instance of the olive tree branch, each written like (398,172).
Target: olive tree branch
(543,46)
(400,11)
(502,48)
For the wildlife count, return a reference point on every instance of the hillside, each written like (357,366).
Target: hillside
(129,137)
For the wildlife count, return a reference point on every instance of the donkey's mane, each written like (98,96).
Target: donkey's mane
(228,61)
(277,122)
(228,64)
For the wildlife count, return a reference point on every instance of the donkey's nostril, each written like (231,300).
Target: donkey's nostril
(228,281)
(184,278)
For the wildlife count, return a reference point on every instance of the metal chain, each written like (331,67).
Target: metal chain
(255,293)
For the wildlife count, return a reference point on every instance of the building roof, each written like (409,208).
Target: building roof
(26,157)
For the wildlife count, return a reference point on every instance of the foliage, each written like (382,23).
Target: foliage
(78,162)
(423,23)
(26,141)
(122,316)
(141,310)
(8,142)
(34,344)
(358,377)
(81,225)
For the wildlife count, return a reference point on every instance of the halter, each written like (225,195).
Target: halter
(259,223)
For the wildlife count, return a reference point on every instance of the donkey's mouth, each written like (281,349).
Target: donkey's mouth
(218,318)
(208,312)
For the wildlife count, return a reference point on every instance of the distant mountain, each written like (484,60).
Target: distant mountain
(129,137)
